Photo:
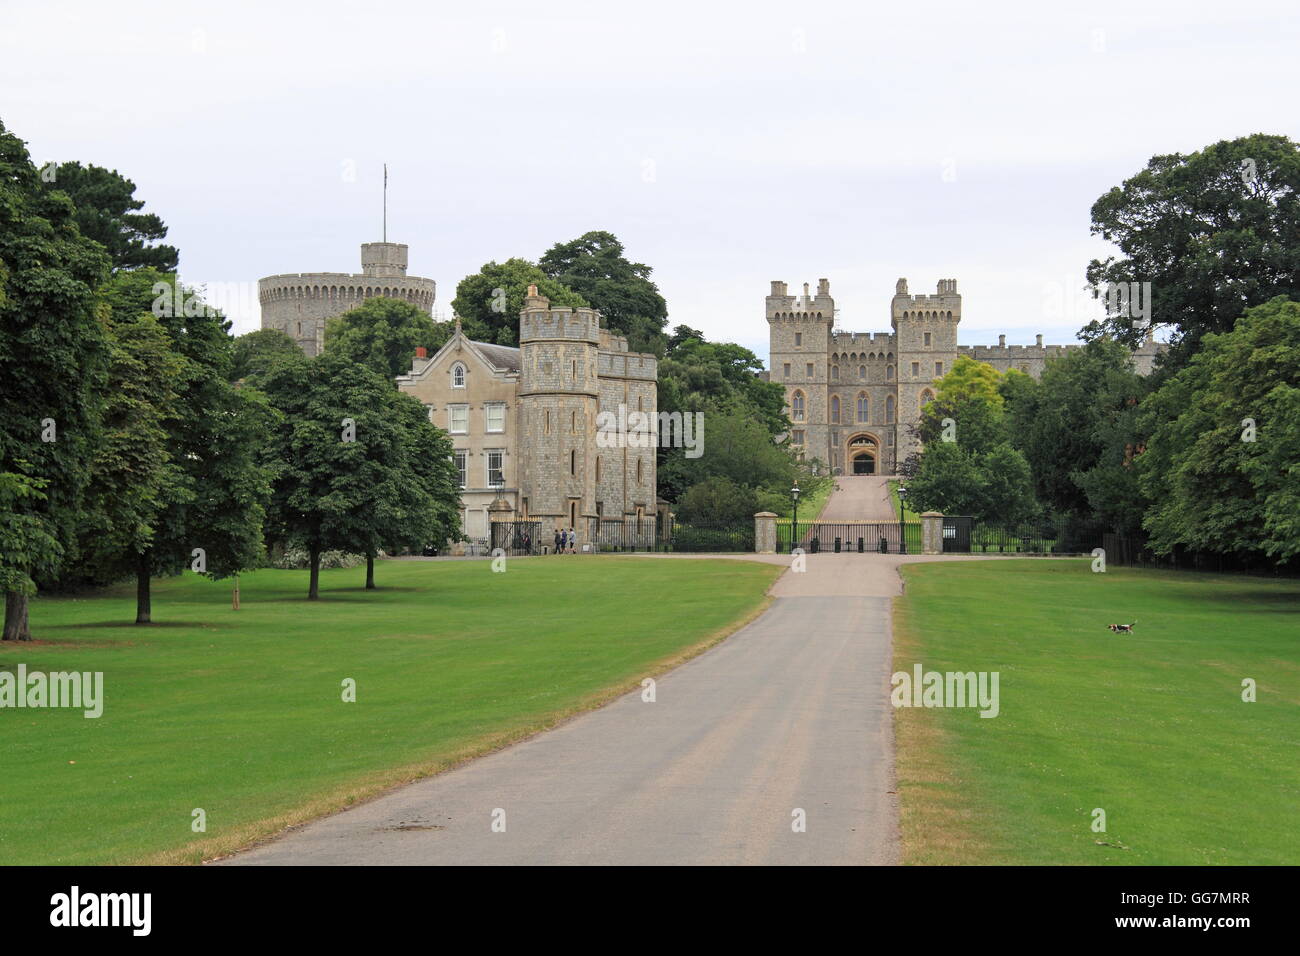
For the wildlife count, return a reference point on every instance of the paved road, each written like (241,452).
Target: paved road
(790,712)
(859,499)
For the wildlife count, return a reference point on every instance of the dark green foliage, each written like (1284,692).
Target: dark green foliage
(382,334)
(489,301)
(108,212)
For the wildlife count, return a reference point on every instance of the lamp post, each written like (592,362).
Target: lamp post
(902,530)
(794,531)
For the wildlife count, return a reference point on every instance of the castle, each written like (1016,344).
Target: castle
(523,422)
(299,304)
(851,396)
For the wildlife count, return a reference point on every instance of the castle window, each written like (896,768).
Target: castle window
(862,371)
(598,479)
(796,437)
(573,462)
(458,376)
(916,369)
(798,340)
(835,372)
(573,422)
(546,426)
(810,370)
(927,340)
(835,409)
(458,419)
(889,409)
(640,470)
(927,396)
(496,417)
(938,369)
(864,408)
(785,371)
(573,369)
(796,407)
(889,372)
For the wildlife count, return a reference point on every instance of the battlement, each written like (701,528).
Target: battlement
(783,306)
(854,340)
(539,322)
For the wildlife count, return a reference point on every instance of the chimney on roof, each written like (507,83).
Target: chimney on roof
(1038,339)
(421,352)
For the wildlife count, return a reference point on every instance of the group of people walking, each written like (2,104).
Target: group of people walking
(565,539)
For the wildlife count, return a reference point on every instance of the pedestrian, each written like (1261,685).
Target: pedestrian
(572,538)
(559,540)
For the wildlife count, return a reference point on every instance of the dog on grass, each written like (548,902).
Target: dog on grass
(1122,628)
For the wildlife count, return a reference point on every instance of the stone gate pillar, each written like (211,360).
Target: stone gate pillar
(932,533)
(765,532)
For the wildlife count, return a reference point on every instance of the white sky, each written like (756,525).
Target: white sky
(726,144)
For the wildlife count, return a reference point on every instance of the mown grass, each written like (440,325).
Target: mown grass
(241,713)
(1150,727)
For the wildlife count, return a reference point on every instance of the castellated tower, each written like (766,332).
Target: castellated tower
(800,339)
(559,396)
(299,304)
(925,334)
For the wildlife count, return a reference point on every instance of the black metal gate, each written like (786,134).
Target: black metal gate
(956,534)
(881,537)
(516,538)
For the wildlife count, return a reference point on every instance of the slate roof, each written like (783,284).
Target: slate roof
(502,356)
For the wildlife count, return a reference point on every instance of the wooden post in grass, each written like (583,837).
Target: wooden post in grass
(234,604)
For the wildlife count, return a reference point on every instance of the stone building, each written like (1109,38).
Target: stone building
(523,423)
(298,304)
(851,395)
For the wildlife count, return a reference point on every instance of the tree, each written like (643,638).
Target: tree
(107,211)
(489,301)
(255,352)
(1214,232)
(1222,465)
(718,503)
(968,408)
(349,476)
(382,334)
(593,265)
(53,356)
(947,480)
(27,546)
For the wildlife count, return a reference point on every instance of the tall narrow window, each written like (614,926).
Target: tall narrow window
(598,469)
(461,468)
(640,470)
(796,407)
(835,409)
(496,417)
(810,370)
(798,340)
(573,462)
(495,473)
(938,369)
(458,376)
(785,368)
(864,408)
(458,419)
(927,339)
(889,409)
(835,373)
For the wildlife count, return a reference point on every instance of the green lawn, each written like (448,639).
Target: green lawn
(1150,727)
(240,713)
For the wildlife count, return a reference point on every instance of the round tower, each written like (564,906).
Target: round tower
(558,401)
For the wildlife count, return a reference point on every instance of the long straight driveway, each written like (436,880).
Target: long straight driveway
(789,717)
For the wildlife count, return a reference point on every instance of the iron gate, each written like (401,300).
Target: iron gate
(956,534)
(516,538)
(884,537)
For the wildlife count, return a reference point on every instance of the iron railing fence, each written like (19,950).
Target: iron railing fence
(849,538)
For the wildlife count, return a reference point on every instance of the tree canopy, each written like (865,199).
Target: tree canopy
(489,301)
(108,212)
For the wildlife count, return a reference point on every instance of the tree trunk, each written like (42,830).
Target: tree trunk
(370,570)
(16,628)
(143,604)
(313,589)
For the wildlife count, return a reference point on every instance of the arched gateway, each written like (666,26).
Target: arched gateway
(863,455)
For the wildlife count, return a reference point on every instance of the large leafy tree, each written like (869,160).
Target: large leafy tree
(53,355)
(352,468)
(1222,465)
(383,334)
(968,407)
(109,213)
(489,301)
(594,266)
(215,503)
(1214,232)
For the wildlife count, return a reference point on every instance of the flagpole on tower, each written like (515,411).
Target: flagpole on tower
(385,202)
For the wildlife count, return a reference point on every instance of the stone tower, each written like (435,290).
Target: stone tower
(925,335)
(558,401)
(800,336)
(299,304)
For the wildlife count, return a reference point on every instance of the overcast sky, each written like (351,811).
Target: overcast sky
(725,144)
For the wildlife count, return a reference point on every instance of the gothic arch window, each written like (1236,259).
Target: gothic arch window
(835,409)
(889,371)
(458,376)
(889,409)
(796,406)
(862,371)
(835,372)
(926,397)
(864,407)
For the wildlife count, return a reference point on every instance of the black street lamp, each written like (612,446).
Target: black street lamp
(902,530)
(794,531)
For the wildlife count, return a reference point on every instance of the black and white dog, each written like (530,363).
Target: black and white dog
(1122,628)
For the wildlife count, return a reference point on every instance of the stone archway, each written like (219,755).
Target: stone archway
(863,455)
